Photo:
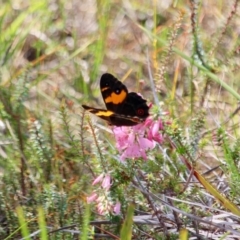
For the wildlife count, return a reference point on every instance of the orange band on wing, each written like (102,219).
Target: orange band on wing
(116,98)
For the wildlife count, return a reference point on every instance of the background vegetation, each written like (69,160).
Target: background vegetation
(52,54)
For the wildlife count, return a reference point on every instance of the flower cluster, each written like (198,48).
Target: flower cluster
(131,142)
(104,203)
(134,142)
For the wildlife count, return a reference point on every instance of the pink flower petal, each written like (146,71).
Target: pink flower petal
(133,151)
(106,182)
(158,138)
(148,122)
(131,138)
(117,208)
(100,209)
(145,143)
(121,136)
(155,128)
(92,198)
(98,179)
(143,155)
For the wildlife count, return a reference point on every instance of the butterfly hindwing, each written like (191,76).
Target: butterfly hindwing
(113,118)
(102,113)
(135,105)
(123,108)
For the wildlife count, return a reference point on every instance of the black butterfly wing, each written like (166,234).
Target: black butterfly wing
(135,106)
(113,118)
(114,92)
(132,112)
(102,113)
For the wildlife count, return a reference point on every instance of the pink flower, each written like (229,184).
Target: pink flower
(153,133)
(106,183)
(104,205)
(98,179)
(92,197)
(117,208)
(105,179)
(100,208)
(102,197)
(133,142)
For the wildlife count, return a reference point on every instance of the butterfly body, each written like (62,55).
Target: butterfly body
(123,108)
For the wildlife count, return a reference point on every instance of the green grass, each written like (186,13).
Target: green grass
(51,151)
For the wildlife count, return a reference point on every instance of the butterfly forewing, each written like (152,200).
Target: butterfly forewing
(113,91)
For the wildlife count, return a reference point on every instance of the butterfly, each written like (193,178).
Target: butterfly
(123,108)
